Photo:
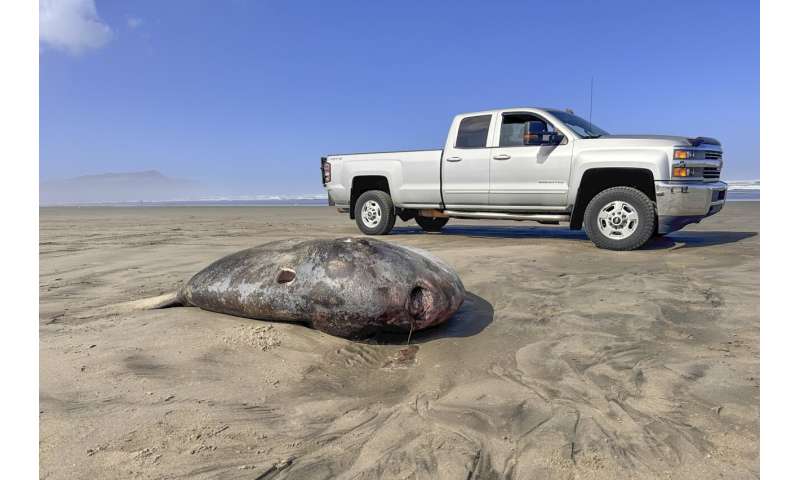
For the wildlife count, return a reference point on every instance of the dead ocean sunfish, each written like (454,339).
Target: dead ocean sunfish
(348,287)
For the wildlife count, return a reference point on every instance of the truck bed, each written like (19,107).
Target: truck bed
(415,174)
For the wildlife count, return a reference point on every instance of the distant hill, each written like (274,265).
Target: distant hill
(148,186)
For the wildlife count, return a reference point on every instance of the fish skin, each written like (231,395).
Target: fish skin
(348,287)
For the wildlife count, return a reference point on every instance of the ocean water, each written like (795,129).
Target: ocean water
(308,202)
(736,193)
(749,195)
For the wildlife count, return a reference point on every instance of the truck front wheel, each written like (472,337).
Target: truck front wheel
(431,224)
(620,218)
(375,213)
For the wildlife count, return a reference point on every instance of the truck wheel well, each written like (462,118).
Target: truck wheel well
(596,180)
(363,184)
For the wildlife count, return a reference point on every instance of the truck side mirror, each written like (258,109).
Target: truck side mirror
(553,138)
(536,134)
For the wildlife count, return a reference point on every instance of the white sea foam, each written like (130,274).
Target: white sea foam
(260,197)
(744,184)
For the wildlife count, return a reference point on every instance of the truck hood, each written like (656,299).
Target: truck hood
(663,139)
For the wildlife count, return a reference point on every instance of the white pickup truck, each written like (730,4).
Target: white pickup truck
(545,165)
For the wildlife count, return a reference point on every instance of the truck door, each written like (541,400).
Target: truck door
(465,166)
(523,174)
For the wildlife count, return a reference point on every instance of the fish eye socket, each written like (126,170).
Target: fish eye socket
(286,275)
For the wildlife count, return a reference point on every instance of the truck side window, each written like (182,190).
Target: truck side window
(473,131)
(512,132)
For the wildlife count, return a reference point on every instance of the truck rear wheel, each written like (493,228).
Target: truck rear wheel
(375,213)
(620,218)
(431,224)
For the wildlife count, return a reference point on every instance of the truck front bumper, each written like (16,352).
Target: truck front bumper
(680,204)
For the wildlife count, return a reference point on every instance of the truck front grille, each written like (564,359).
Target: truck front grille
(712,155)
(711,172)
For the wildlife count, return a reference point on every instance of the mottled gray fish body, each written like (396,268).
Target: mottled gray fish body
(348,287)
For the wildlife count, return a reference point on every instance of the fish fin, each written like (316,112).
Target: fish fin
(152,303)
(163,301)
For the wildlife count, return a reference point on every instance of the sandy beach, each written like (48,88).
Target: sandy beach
(566,361)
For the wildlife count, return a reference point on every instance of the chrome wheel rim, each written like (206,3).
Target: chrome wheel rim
(371,213)
(618,220)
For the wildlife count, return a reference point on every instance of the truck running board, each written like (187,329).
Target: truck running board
(536,217)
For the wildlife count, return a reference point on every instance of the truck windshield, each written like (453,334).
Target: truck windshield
(581,127)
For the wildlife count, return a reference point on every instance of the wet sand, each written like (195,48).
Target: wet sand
(566,361)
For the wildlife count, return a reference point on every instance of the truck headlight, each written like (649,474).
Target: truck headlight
(683,154)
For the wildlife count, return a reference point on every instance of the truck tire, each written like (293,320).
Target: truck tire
(431,224)
(375,213)
(620,218)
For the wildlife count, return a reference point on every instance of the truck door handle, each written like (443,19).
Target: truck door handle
(453,159)
(502,156)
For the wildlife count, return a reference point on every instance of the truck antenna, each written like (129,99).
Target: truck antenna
(591,99)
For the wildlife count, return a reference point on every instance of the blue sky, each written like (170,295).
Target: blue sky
(245,96)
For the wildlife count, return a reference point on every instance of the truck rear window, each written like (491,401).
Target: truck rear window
(472,132)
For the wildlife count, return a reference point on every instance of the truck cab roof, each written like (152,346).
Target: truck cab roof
(512,109)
